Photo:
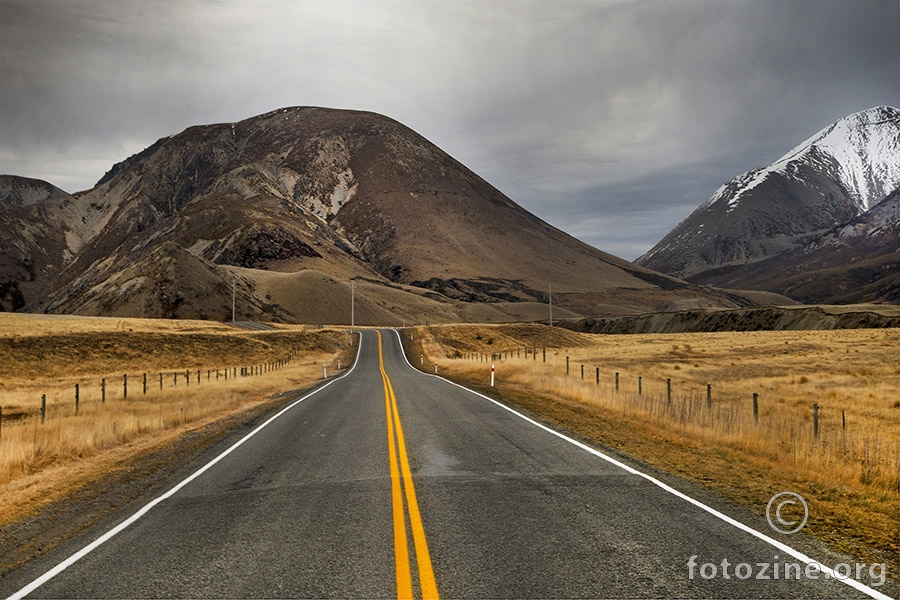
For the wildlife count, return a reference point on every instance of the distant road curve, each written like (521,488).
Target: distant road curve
(252,325)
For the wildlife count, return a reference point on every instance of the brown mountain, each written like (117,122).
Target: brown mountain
(35,243)
(24,191)
(288,207)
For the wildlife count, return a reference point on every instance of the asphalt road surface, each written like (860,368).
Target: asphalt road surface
(389,482)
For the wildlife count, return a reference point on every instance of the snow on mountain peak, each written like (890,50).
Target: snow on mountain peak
(834,176)
(866,149)
(860,151)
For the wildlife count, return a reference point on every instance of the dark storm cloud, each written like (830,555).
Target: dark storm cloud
(610,119)
(646,108)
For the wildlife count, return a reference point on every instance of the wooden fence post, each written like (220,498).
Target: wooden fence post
(755,407)
(145,384)
(125,385)
(708,396)
(617,382)
(43,408)
(103,391)
(640,386)
(545,354)
(669,390)
(597,374)
(160,381)
(582,371)
(76,398)
(567,365)
(815,420)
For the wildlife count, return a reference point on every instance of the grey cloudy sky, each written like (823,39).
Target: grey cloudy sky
(610,119)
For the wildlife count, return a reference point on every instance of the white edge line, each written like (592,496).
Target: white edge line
(779,545)
(149,506)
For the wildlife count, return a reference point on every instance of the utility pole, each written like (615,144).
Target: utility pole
(352,304)
(550,288)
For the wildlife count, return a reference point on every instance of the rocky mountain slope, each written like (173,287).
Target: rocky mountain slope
(36,242)
(24,191)
(294,204)
(826,182)
(768,318)
(855,262)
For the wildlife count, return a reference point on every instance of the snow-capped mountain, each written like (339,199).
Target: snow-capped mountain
(861,151)
(831,178)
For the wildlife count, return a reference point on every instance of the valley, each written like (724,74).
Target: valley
(304,220)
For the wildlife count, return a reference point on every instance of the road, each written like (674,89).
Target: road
(389,482)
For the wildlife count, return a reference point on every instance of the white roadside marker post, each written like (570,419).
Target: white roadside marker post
(492,375)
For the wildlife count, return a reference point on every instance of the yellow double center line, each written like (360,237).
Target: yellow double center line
(397,449)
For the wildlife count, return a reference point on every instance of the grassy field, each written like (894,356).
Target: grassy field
(849,473)
(49,356)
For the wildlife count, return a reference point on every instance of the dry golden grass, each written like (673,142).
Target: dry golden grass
(41,462)
(850,473)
